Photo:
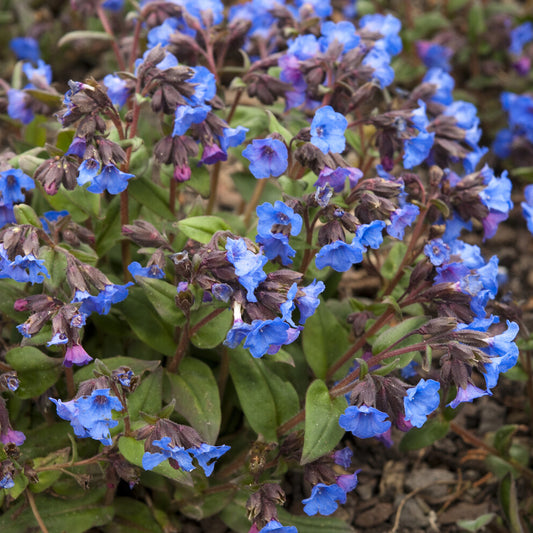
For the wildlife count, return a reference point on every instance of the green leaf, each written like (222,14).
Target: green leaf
(147,396)
(107,230)
(48,477)
(56,264)
(509,503)
(322,430)
(477,524)
(476,21)
(146,323)
(202,228)
(21,482)
(324,340)
(274,125)
(266,399)
(36,371)
(133,451)
(133,515)
(197,398)
(85,36)
(152,196)
(503,438)
(58,515)
(50,99)
(215,331)
(430,432)
(392,335)
(393,261)
(162,296)
(206,505)
(80,203)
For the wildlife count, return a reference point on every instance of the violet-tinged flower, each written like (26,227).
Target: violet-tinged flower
(339,255)
(153,271)
(420,401)
(371,234)
(323,195)
(527,207)
(16,269)
(324,499)
(337,178)
(468,395)
(348,482)
(237,333)
(113,5)
(303,47)
(117,89)
(7,215)
(232,137)
(222,291)
(288,306)
(278,214)
(76,355)
(213,154)
(11,436)
(275,527)
(12,181)
(206,455)
(25,48)
(401,218)
(343,33)
(268,157)
(160,35)
(434,55)
(437,251)
(322,8)
(343,457)
(205,86)
(327,130)
(97,406)
(102,302)
(87,171)
(69,411)
(19,106)
(179,454)
(364,421)
(264,334)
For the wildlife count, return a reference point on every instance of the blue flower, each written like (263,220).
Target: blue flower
(278,214)
(389,27)
(268,157)
(308,303)
(186,116)
(322,7)
(303,47)
(364,421)
(19,106)
(371,234)
(117,89)
(101,303)
(527,207)
(323,499)
(416,149)
(421,401)
(38,76)
(434,55)
(16,269)
(327,130)
(444,85)
(232,137)
(160,35)
(25,48)
(264,334)
(153,271)
(277,245)
(437,251)
(206,453)
(7,215)
(275,527)
(401,218)
(205,86)
(339,255)
(12,181)
(520,36)
(113,5)
(179,454)
(503,143)
(237,333)
(379,60)
(111,179)
(87,171)
(248,266)
(221,291)
(343,33)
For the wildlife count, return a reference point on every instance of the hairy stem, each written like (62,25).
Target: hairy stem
(107,28)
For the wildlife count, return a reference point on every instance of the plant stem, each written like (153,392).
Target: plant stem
(125,244)
(254,200)
(180,349)
(107,28)
(69,376)
(35,511)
